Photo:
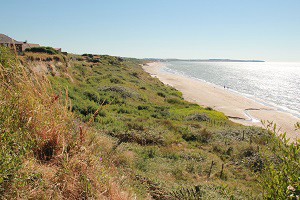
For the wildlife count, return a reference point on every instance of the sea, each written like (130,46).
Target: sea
(275,84)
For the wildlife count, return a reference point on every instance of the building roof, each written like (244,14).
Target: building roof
(6,39)
(28,45)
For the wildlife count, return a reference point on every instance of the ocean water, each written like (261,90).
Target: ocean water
(271,83)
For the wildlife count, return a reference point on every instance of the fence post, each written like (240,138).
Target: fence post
(222,170)
(212,163)
(243,135)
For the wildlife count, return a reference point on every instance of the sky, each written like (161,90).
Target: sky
(191,29)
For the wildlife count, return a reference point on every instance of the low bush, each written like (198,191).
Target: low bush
(161,94)
(115,80)
(197,117)
(174,101)
(91,95)
(124,110)
(209,108)
(140,137)
(48,50)
(142,107)
(135,74)
(202,136)
(281,170)
(122,91)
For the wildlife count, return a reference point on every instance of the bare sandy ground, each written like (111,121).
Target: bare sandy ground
(238,108)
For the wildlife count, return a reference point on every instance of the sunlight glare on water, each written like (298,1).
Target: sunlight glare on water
(275,84)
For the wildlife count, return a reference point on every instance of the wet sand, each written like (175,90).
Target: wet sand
(238,108)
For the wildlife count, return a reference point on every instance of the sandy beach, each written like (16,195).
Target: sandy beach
(238,108)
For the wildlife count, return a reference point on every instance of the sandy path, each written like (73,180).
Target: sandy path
(232,105)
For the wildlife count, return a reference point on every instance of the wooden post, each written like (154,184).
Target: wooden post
(81,134)
(243,135)
(212,163)
(222,170)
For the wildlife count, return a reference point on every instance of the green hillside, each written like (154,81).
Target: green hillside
(99,127)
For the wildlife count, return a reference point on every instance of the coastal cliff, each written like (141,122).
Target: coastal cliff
(100,127)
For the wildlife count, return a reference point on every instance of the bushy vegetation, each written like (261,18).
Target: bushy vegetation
(128,136)
(48,50)
(169,142)
(281,173)
(30,56)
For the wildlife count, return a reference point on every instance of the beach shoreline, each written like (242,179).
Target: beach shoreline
(238,108)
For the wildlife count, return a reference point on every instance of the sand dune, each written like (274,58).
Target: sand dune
(238,108)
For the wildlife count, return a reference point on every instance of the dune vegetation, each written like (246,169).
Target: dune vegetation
(99,127)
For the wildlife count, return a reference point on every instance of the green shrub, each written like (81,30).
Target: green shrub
(149,153)
(174,101)
(121,91)
(85,107)
(280,177)
(171,155)
(115,80)
(209,108)
(135,74)
(176,93)
(197,117)
(161,94)
(124,110)
(48,50)
(7,58)
(136,126)
(91,95)
(141,107)
(202,136)
(177,172)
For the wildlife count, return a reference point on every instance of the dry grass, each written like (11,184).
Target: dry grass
(60,158)
(38,110)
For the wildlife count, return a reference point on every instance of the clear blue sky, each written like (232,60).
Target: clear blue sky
(237,29)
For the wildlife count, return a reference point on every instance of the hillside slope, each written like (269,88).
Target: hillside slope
(99,127)
(164,142)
